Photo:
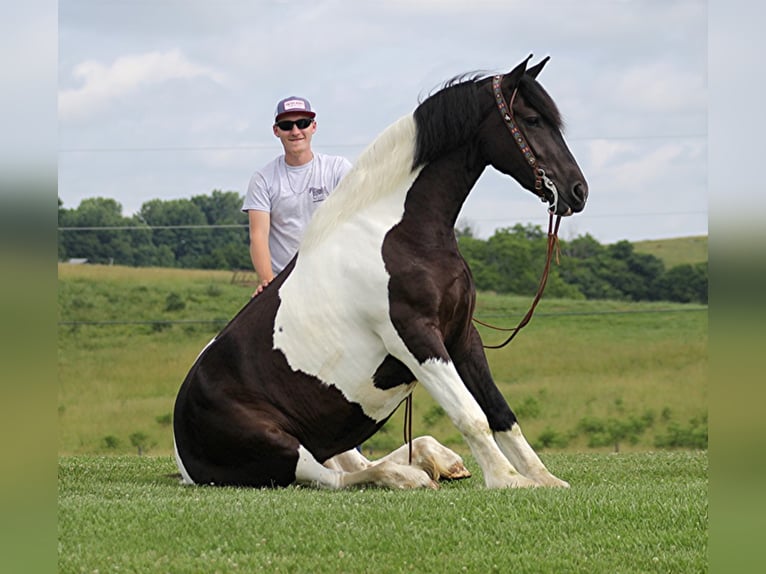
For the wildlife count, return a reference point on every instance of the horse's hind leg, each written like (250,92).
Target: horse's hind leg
(349,461)
(431,456)
(387,474)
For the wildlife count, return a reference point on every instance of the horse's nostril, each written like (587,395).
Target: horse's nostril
(580,193)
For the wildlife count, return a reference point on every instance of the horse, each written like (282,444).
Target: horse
(377,300)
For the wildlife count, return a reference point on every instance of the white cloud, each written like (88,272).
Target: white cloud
(103,84)
(662,86)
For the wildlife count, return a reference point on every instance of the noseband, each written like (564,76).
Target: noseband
(506,112)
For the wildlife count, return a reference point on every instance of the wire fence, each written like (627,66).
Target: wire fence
(695,308)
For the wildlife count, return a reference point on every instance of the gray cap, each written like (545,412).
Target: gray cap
(294,104)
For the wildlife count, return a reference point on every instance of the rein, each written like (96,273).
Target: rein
(553,245)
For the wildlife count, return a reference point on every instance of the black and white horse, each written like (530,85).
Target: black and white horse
(377,300)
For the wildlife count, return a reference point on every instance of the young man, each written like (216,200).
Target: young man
(283,195)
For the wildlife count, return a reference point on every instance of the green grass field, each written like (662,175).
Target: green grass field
(128,336)
(603,360)
(639,512)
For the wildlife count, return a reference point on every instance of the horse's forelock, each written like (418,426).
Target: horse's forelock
(536,96)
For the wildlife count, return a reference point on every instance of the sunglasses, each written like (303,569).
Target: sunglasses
(287,125)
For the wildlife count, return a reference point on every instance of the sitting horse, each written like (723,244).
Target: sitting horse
(378,299)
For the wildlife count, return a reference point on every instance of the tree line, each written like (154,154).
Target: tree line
(210,232)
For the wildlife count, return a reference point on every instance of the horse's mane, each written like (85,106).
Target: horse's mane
(447,118)
(450,116)
(439,124)
(384,166)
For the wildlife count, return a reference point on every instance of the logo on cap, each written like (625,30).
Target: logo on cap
(291,105)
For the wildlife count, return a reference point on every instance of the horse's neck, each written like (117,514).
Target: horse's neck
(443,186)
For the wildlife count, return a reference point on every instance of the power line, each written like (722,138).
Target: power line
(151,227)
(245,225)
(595,216)
(249,147)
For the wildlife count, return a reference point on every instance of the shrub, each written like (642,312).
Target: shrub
(174,302)
(693,436)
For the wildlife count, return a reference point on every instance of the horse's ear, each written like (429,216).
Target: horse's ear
(512,78)
(535,70)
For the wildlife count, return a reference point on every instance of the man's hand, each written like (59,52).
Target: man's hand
(261,287)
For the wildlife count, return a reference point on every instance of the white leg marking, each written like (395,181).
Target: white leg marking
(349,461)
(185,478)
(431,457)
(309,471)
(388,474)
(523,457)
(443,383)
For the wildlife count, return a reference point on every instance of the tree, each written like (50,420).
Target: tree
(187,244)
(684,284)
(228,247)
(98,245)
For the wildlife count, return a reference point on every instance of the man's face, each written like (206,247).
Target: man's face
(295,140)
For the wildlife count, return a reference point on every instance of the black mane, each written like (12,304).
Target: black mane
(451,116)
(446,119)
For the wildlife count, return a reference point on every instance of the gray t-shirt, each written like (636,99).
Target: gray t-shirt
(291,195)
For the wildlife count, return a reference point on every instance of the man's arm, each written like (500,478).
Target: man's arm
(260,255)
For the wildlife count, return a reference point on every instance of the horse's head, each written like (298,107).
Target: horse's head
(520,135)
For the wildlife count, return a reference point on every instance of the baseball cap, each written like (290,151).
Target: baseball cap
(292,105)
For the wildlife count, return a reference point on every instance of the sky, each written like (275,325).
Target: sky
(168,99)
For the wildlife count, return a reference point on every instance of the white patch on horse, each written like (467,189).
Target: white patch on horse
(340,259)
(522,455)
(185,478)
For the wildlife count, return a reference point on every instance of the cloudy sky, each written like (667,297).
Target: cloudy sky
(174,98)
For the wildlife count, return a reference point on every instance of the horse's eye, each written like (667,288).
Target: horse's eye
(532,121)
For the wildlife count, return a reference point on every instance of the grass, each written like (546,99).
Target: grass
(606,359)
(128,336)
(640,512)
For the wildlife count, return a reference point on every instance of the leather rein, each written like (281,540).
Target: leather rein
(541,180)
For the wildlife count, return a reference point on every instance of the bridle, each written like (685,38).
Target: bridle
(540,180)
(506,112)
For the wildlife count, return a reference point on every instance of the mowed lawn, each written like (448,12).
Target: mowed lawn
(636,512)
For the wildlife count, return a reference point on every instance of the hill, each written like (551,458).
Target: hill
(676,251)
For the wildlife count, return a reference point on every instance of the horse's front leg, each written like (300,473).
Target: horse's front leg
(433,368)
(471,363)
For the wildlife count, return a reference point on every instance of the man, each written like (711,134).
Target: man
(283,195)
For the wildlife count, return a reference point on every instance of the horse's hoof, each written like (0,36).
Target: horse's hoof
(456,472)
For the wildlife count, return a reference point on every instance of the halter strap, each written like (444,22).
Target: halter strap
(506,112)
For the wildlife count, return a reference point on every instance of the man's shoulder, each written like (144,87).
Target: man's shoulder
(335,161)
(268,172)
(272,166)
